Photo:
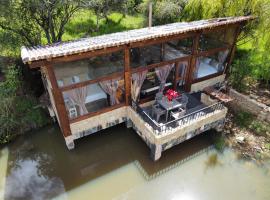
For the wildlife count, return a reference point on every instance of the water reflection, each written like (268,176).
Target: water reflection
(115,164)
(26,180)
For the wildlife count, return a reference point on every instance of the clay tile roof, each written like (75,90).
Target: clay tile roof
(36,53)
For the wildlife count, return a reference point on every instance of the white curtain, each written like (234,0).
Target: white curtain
(162,74)
(222,56)
(77,97)
(110,87)
(183,67)
(182,71)
(136,84)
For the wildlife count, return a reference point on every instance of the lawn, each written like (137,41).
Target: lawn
(83,24)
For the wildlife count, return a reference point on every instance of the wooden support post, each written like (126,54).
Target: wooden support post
(127,75)
(232,51)
(59,103)
(192,62)
(176,75)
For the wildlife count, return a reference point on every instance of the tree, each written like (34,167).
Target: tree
(15,22)
(51,15)
(19,111)
(31,18)
(103,8)
(164,11)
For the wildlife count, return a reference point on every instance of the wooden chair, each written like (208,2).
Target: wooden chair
(157,112)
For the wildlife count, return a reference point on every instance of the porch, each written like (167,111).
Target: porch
(202,113)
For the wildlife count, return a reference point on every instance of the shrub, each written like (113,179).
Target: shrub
(243,119)
(260,128)
(219,142)
(241,70)
(248,121)
(18,112)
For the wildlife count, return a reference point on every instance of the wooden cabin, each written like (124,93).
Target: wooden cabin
(97,82)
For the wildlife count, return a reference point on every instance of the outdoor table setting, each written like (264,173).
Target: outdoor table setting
(170,102)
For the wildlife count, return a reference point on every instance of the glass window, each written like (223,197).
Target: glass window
(94,97)
(182,71)
(182,68)
(88,69)
(151,83)
(178,48)
(210,64)
(151,54)
(216,39)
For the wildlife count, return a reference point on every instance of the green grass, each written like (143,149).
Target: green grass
(84,24)
(248,121)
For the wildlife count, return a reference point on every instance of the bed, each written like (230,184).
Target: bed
(208,67)
(94,93)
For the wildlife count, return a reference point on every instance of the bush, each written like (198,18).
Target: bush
(241,71)
(243,119)
(260,128)
(248,121)
(219,142)
(18,112)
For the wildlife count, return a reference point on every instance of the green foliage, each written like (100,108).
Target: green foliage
(243,119)
(240,71)
(219,142)
(164,11)
(17,111)
(248,121)
(81,25)
(14,20)
(260,128)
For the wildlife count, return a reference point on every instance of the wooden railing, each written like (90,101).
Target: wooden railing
(186,119)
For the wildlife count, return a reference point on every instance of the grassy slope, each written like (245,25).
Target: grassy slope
(83,24)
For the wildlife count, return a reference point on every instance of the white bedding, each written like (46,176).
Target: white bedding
(206,69)
(94,93)
(171,53)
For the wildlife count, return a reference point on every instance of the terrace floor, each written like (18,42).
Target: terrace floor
(194,104)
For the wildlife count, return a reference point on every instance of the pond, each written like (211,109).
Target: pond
(115,164)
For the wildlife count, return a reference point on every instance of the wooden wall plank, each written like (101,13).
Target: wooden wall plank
(192,63)
(59,103)
(127,76)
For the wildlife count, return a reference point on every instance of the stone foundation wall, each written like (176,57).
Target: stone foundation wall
(209,82)
(244,102)
(200,124)
(159,143)
(213,125)
(99,122)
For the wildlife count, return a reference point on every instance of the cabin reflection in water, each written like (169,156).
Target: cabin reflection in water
(98,82)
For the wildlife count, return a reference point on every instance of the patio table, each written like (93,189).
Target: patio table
(169,105)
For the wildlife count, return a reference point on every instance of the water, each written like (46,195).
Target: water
(115,164)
